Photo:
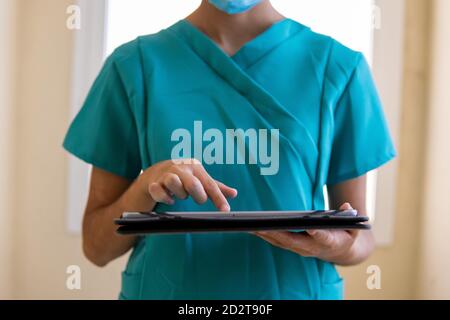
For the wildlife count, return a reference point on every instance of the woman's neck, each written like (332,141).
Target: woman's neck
(231,32)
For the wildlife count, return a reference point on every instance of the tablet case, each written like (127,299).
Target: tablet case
(201,222)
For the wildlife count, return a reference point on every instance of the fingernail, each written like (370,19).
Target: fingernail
(225,208)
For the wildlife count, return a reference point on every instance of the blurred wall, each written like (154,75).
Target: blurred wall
(434,272)
(7,63)
(399,261)
(42,249)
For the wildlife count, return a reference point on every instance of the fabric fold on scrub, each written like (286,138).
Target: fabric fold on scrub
(319,94)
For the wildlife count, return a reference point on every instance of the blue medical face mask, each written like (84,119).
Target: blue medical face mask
(234,6)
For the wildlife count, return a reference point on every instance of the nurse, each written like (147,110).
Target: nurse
(241,66)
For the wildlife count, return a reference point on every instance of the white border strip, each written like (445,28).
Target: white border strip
(388,73)
(89,51)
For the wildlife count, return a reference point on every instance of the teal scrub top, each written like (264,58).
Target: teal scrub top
(317,92)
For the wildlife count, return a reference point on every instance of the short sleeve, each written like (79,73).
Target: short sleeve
(104,132)
(361,140)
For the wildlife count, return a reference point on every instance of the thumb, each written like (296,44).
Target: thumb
(346,206)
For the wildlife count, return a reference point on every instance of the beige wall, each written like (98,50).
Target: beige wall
(398,262)
(434,259)
(7,29)
(42,247)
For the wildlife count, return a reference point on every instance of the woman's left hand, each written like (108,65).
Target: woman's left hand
(333,246)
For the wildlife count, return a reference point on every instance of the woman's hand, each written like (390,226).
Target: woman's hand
(183,178)
(336,246)
(111,195)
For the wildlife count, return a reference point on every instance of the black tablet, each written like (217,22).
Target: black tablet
(238,221)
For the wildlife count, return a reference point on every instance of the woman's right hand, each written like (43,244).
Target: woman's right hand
(180,179)
(111,195)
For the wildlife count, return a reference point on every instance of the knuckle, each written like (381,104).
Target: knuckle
(179,162)
(171,180)
(153,188)
(211,185)
(193,185)
(175,168)
(200,197)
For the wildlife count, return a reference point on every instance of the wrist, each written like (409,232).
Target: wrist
(136,198)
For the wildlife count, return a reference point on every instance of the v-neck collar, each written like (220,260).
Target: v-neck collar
(259,46)
(253,50)
(235,76)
